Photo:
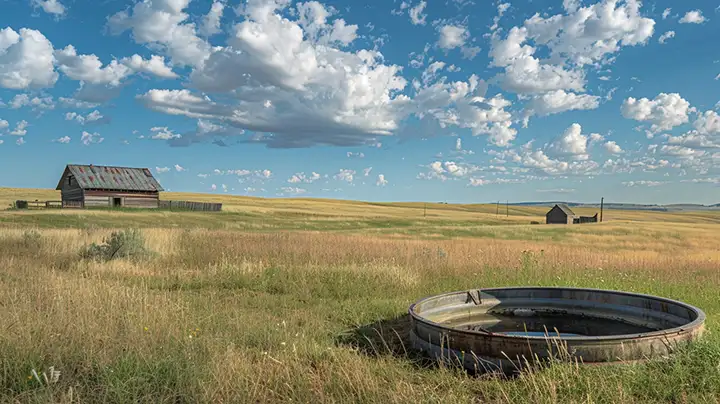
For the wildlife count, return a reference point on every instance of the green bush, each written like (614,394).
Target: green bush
(127,244)
(32,240)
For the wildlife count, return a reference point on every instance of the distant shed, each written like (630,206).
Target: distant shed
(586,219)
(105,186)
(560,214)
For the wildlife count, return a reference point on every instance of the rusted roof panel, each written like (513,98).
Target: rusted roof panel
(114,178)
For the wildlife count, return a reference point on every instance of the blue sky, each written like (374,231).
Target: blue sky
(437,100)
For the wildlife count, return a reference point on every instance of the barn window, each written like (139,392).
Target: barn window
(70,180)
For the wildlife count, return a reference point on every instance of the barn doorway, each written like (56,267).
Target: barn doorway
(116,202)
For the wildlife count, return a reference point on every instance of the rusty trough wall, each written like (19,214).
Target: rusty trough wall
(439,326)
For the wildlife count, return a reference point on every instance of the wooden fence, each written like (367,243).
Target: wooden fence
(172,205)
(187,205)
(38,204)
(73,204)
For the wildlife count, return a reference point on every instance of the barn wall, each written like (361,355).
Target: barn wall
(132,202)
(129,199)
(71,192)
(96,201)
(557,216)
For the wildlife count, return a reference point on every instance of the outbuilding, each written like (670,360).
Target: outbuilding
(560,214)
(86,186)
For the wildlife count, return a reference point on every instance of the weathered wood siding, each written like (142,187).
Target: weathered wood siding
(557,216)
(127,199)
(96,201)
(187,205)
(133,202)
(71,191)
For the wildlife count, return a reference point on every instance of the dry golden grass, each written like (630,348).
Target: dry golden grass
(329,209)
(228,316)
(277,300)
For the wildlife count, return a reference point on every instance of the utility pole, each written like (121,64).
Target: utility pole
(507,208)
(602,203)
(497,208)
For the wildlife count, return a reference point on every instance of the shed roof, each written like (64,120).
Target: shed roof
(566,209)
(111,178)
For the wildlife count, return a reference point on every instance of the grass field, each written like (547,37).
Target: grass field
(296,300)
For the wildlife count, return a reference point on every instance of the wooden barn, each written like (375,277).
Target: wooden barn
(85,186)
(560,214)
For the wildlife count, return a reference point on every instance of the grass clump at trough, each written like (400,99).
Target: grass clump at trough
(221,315)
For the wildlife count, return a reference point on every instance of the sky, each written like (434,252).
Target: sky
(454,101)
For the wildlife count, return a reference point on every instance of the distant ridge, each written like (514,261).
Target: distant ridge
(627,206)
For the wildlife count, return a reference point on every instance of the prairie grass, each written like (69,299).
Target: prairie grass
(220,315)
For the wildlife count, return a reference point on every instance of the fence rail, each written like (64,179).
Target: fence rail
(178,205)
(188,205)
(38,204)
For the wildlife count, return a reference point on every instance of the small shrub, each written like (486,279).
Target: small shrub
(32,240)
(128,243)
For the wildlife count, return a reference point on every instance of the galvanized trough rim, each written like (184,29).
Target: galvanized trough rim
(698,322)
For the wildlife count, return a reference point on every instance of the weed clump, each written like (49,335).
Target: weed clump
(127,244)
(32,240)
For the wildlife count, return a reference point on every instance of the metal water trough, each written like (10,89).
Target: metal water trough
(503,329)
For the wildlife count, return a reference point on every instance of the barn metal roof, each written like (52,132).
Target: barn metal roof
(112,178)
(565,209)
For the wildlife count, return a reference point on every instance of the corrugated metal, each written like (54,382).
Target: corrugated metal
(115,178)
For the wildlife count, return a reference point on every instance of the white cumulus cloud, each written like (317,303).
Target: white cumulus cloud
(416,14)
(211,21)
(20,128)
(93,117)
(89,68)
(664,37)
(155,66)
(302,177)
(36,103)
(612,147)
(163,24)
(452,36)
(693,17)
(26,60)
(90,138)
(555,102)
(584,36)
(163,133)
(345,175)
(50,6)
(572,143)
(664,112)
